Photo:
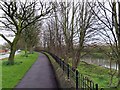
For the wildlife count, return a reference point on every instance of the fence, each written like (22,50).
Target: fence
(81,81)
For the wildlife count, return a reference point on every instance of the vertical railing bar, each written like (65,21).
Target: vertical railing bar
(81,81)
(96,86)
(77,83)
(90,85)
(63,65)
(93,85)
(85,83)
(60,63)
(68,72)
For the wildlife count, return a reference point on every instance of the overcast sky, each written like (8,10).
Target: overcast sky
(6,33)
(2,41)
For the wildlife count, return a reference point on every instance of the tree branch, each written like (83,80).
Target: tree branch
(5,39)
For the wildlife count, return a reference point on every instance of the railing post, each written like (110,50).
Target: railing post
(79,84)
(90,85)
(77,73)
(96,86)
(63,65)
(68,72)
(60,62)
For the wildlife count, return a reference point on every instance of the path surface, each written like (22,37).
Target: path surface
(40,75)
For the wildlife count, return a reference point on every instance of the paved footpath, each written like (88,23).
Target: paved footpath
(40,75)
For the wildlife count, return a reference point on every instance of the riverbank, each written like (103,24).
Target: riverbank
(97,74)
(101,62)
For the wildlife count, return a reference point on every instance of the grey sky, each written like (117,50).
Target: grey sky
(6,33)
(2,41)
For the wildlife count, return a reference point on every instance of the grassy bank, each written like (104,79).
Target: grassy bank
(96,55)
(97,74)
(11,75)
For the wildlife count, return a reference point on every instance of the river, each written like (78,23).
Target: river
(101,62)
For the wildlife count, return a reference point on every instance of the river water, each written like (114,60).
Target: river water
(101,62)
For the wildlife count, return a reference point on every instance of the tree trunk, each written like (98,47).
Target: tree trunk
(26,54)
(76,59)
(11,56)
(31,50)
(13,50)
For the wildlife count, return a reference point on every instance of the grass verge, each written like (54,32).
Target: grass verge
(12,74)
(97,74)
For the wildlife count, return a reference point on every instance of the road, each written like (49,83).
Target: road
(6,55)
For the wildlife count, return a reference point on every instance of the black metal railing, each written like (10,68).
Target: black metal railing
(81,81)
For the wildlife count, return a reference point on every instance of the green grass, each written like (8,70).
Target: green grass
(12,74)
(96,55)
(97,74)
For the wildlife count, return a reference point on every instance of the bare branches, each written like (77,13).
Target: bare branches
(24,14)
(5,38)
(110,33)
(18,15)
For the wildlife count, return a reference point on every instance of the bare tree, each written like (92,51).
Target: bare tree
(58,32)
(18,16)
(71,25)
(109,28)
(53,31)
(30,37)
(76,20)
(67,25)
(84,21)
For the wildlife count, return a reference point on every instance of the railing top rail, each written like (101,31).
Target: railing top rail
(77,76)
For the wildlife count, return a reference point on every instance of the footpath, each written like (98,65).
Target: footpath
(40,75)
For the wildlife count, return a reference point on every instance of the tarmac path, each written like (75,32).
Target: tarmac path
(40,75)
